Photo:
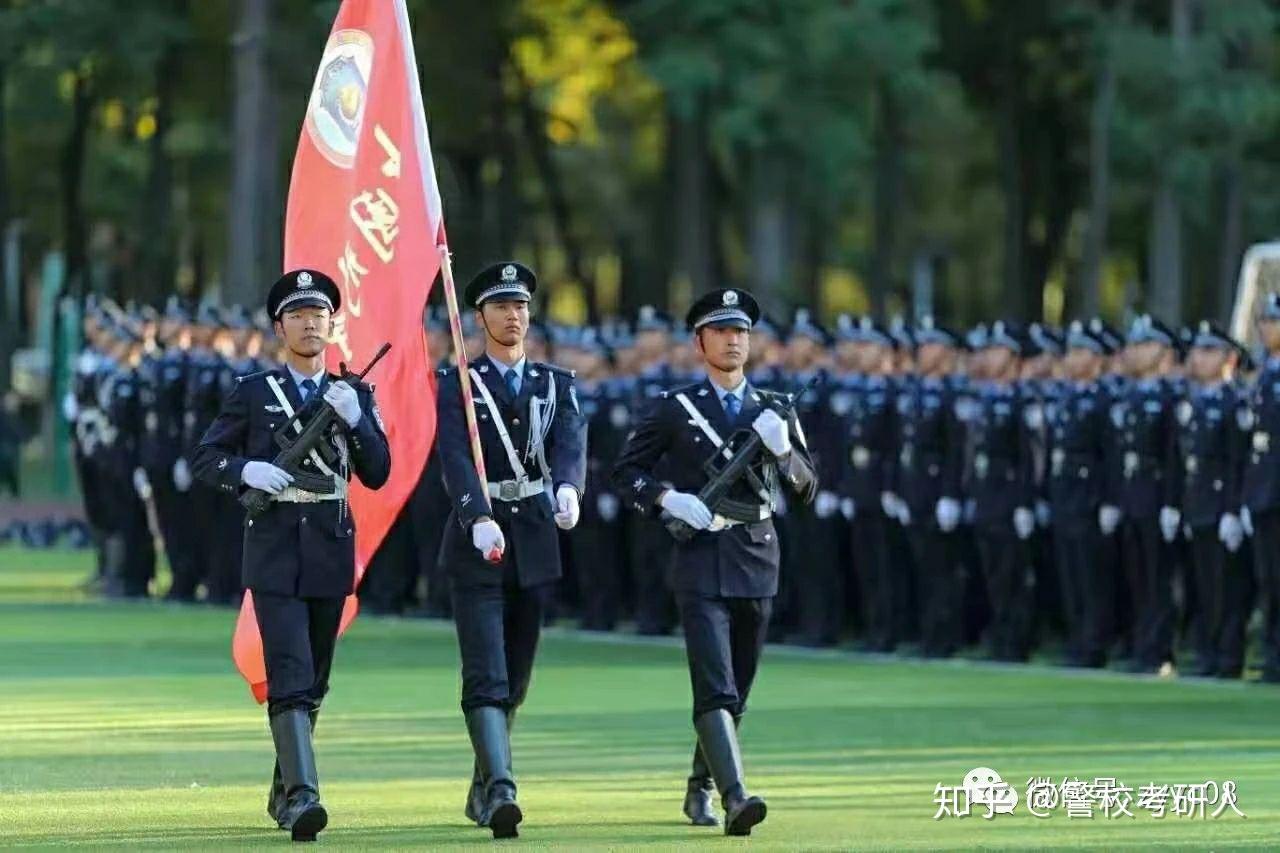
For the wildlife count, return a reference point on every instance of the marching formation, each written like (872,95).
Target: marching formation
(1104,497)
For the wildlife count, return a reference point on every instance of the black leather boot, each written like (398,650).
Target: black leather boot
(303,815)
(491,741)
(719,740)
(474,810)
(698,804)
(276,799)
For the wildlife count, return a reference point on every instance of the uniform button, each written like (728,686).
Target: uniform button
(515,509)
(304,519)
(515,421)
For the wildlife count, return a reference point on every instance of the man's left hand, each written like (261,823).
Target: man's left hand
(345,402)
(567,510)
(773,431)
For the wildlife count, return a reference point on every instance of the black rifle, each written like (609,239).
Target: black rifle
(724,472)
(319,418)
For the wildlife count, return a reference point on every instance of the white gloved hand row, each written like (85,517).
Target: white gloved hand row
(265,476)
(688,508)
(773,431)
(826,504)
(141,484)
(1170,520)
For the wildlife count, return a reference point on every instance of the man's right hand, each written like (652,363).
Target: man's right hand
(487,538)
(688,508)
(265,476)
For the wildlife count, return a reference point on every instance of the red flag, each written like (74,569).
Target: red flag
(364,208)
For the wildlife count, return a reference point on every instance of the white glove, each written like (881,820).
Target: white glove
(345,402)
(848,508)
(1170,519)
(688,508)
(904,512)
(826,504)
(1230,532)
(487,537)
(265,476)
(948,514)
(181,475)
(141,484)
(607,505)
(567,510)
(1044,514)
(1108,519)
(1024,522)
(1246,520)
(889,504)
(773,431)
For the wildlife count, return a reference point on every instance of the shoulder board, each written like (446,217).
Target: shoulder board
(561,371)
(251,377)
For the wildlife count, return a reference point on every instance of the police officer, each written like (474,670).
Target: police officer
(501,545)
(1001,481)
(1148,489)
(867,451)
(299,555)
(1078,484)
(727,573)
(1261,486)
(929,463)
(1214,425)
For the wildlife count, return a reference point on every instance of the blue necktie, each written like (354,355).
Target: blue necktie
(308,388)
(732,405)
(513,383)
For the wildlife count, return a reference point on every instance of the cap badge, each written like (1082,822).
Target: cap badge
(508,274)
(730,297)
(304,279)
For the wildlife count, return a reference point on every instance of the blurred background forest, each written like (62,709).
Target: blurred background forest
(1020,158)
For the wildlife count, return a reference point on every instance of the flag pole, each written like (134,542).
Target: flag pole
(464,376)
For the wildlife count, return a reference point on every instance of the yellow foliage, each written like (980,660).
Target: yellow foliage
(842,291)
(145,128)
(575,56)
(113,115)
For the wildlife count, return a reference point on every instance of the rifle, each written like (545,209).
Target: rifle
(724,472)
(319,418)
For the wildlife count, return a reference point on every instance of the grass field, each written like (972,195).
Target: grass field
(126,726)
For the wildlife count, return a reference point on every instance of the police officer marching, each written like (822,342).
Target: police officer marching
(501,546)
(1260,514)
(726,573)
(299,554)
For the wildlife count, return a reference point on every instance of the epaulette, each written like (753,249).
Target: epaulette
(683,389)
(250,376)
(563,371)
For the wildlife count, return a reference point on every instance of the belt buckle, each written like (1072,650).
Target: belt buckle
(508,490)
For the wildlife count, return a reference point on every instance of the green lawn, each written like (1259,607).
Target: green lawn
(126,725)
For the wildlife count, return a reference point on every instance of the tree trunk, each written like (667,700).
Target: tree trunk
(770,240)
(158,232)
(690,208)
(1095,239)
(1015,209)
(888,195)
(74,228)
(253,163)
(1232,243)
(1165,246)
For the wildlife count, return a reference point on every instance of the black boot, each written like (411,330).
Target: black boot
(474,809)
(698,805)
(719,740)
(490,740)
(303,815)
(276,799)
